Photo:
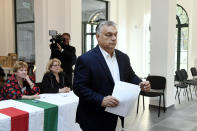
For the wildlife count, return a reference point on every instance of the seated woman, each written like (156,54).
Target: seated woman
(54,80)
(19,85)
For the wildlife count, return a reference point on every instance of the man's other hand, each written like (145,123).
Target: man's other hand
(145,86)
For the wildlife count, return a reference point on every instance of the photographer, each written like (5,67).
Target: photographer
(62,50)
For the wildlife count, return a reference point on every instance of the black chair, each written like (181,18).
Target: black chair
(2,73)
(190,82)
(185,75)
(158,84)
(194,72)
(39,84)
(9,75)
(122,121)
(30,69)
(180,85)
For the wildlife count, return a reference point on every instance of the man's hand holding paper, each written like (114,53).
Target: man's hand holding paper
(110,101)
(126,94)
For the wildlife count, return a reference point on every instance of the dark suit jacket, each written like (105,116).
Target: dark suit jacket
(92,82)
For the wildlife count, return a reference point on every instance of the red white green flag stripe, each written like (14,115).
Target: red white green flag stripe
(19,118)
(45,114)
(35,114)
(5,122)
(50,113)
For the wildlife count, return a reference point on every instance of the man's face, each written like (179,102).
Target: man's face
(67,39)
(107,39)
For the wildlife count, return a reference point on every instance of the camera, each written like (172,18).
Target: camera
(56,39)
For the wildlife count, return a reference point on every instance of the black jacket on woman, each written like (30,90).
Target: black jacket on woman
(50,84)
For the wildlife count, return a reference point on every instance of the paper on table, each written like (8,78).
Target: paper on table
(56,95)
(127,95)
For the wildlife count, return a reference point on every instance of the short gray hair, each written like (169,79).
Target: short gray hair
(102,23)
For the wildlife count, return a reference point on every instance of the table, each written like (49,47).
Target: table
(52,112)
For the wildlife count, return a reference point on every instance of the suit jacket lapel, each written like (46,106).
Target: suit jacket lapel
(102,61)
(120,65)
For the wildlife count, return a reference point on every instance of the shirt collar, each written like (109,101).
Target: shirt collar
(105,54)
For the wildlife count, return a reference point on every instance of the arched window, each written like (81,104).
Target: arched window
(182,29)
(92,12)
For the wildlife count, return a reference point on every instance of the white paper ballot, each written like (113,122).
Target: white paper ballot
(127,95)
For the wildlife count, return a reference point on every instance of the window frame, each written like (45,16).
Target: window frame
(19,23)
(179,27)
(93,32)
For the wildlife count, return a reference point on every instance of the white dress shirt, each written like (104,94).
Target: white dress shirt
(112,64)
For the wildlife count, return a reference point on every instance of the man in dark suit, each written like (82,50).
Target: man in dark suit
(95,74)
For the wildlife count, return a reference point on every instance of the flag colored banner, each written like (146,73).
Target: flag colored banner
(19,118)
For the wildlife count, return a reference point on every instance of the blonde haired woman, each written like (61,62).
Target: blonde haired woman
(20,85)
(54,80)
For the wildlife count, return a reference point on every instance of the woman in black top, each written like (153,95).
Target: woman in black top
(54,80)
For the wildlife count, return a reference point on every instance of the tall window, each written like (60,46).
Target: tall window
(182,31)
(24,25)
(92,12)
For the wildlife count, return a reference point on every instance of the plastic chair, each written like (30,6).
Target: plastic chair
(39,84)
(158,84)
(193,72)
(180,85)
(188,81)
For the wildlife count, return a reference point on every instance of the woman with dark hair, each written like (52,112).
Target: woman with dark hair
(54,80)
(20,85)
